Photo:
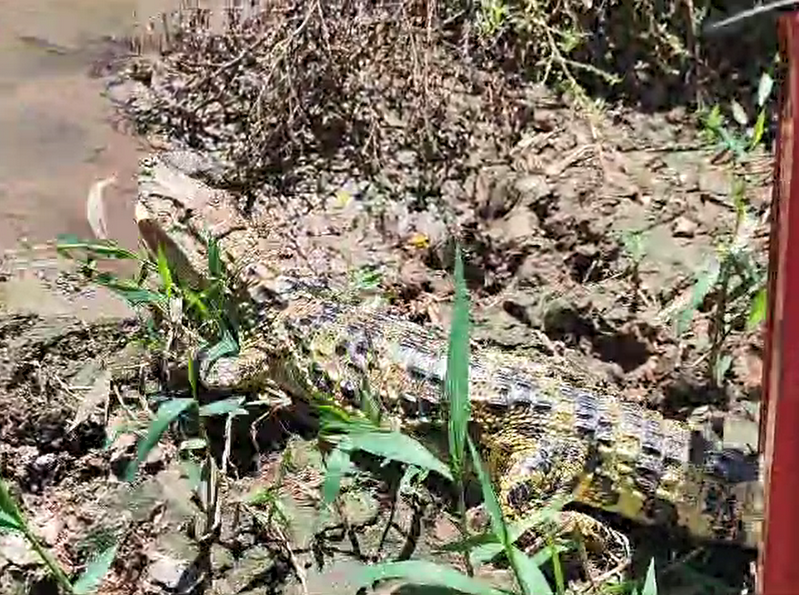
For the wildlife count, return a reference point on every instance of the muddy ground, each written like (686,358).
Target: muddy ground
(540,192)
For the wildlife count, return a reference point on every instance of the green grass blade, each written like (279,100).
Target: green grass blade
(490,498)
(705,281)
(412,474)
(196,302)
(650,583)
(338,463)
(335,420)
(130,291)
(9,523)
(419,572)
(215,266)
(398,447)
(223,407)
(528,574)
(457,380)
(543,556)
(759,129)
(370,405)
(7,502)
(165,272)
(192,365)
(757,309)
(12,517)
(472,543)
(490,548)
(167,413)
(227,345)
(486,552)
(95,572)
(97,248)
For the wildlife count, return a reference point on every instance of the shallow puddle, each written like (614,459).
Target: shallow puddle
(55,136)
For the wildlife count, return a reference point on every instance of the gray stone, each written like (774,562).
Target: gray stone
(533,187)
(360,507)
(684,228)
(250,568)
(740,433)
(221,558)
(167,572)
(45,462)
(338,578)
(176,545)
(14,548)
(171,555)
(406,157)
(50,530)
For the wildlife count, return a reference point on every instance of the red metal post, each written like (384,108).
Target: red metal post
(778,564)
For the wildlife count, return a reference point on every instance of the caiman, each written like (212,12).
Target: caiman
(549,427)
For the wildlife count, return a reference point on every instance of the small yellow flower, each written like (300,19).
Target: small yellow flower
(343,198)
(419,240)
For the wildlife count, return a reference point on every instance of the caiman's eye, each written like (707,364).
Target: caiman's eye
(349,391)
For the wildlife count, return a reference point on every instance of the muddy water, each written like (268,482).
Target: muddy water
(55,136)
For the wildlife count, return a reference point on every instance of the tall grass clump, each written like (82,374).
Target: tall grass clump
(190,318)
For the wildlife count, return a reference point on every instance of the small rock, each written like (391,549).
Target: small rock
(414,275)
(45,462)
(221,558)
(445,530)
(533,187)
(477,519)
(442,284)
(431,224)
(155,457)
(740,433)
(748,367)
(496,577)
(167,572)
(338,578)
(171,557)
(494,195)
(360,507)
(50,531)
(253,567)
(684,228)
(406,157)
(519,224)
(14,548)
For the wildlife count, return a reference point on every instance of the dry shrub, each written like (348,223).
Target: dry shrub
(650,52)
(302,89)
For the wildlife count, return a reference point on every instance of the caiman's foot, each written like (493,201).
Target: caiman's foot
(246,371)
(532,475)
(599,551)
(595,536)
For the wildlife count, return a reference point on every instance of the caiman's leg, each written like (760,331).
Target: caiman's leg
(538,473)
